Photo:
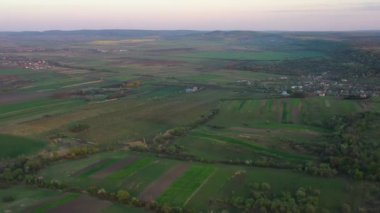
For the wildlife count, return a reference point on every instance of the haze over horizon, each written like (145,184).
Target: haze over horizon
(260,15)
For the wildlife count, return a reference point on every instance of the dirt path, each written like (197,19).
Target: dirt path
(84,203)
(296,113)
(155,189)
(117,166)
(81,84)
(280,111)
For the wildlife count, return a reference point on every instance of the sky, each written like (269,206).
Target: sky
(261,15)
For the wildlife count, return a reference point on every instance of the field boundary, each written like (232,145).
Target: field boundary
(200,187)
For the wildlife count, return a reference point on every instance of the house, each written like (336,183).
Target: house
(285,93)
(320,93)
(191,90)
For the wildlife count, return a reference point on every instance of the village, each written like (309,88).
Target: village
(25,63)
(285,86)
(315,85)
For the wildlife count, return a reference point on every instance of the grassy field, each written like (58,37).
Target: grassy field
(35,200)
(124,173)
(13,146)
(309,112)
(136,182)
(236,117)
(184,187)
(258,56)
(200,183)
(56,203)
(256,148)
(143,118)
(19,112)
(25,197)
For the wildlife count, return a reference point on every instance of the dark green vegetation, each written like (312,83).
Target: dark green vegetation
(13,146)
(188,121)
(35,200)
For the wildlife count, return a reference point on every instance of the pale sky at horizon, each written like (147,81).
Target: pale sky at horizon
(23,15)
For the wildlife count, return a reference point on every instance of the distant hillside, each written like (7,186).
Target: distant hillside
(95,34)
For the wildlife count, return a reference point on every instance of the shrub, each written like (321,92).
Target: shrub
(123,196)
(8,199)
(77,127)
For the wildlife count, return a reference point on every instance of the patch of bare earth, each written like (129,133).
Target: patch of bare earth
(280,109)
(12,98)
(365,106)
(115,167)
(296,113)
(84,203)
(260,110)
(88,168)
(155,189)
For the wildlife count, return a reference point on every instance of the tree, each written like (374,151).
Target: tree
(7,175)
(8,199)
(265,186)
(123,196)
(33,165)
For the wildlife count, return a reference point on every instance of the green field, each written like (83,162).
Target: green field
(13,146)
(116,110)
(184,187)
(200,182)
(258,56)
(129,170)
(274,113)
(136,182)
(56,203)
(35,200)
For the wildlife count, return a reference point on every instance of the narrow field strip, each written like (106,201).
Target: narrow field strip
(137,182)
(200,187)
(184,186)
(56,203)
(284,116)
(114,167)
(129,170)
(155,189)
(105,164)
(254,147)
(36,108)
(89,168)
(82,203)
(81,84)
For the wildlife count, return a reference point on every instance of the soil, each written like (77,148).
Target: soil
(115,167)
(155,189)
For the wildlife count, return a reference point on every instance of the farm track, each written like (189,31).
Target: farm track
(155,189)
(81,84)
(296,113)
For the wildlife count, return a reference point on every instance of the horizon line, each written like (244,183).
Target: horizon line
(193,30)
